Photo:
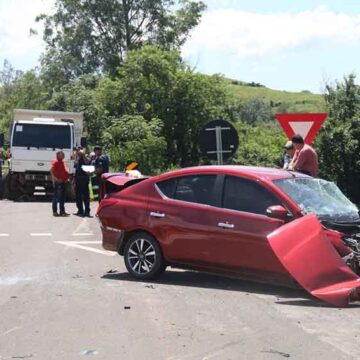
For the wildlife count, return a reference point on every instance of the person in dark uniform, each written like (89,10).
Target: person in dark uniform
(101,164)
(82,195)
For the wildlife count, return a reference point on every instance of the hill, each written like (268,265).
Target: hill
(280,101)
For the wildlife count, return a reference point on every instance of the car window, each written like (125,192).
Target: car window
(246,195)
(197,189)
(167,187)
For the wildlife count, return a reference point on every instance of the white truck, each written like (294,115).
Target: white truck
(36,136)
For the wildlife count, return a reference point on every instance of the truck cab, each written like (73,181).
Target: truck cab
(35,138)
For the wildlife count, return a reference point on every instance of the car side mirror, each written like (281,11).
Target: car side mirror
(278,212)
(1,139)
(83,142)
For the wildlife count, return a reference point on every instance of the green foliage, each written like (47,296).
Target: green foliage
(86,36)
(251,111)
(132,138)
(19,90)
(260,145)
(339,140)
(155,83)
(78,96)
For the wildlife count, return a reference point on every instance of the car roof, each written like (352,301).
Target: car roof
(247,171)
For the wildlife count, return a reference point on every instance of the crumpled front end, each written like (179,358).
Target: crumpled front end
(305,251)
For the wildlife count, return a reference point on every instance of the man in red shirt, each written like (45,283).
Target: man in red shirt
(305,159)
(60,175)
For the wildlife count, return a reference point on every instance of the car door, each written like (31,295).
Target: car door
(179,216)
(239,228)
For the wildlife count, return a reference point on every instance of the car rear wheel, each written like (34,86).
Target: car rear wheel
(143,257)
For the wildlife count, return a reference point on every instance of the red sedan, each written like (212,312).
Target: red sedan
(254,223)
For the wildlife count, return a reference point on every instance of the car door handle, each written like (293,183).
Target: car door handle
(226,225)
(157,214)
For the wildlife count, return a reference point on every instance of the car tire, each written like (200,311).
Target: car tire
(143,257)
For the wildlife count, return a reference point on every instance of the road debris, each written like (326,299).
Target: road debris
(271,351)
(88,352)
(111,271)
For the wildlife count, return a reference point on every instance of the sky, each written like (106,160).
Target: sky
(289,45)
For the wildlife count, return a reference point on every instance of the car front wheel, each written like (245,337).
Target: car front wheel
(143,257)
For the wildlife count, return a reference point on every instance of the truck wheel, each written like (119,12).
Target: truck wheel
(143,257)
(6,185)
(10,191)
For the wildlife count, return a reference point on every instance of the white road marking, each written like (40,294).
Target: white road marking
(83,234)
(4,235)
(40,234)
(83,228)
(12,330)
(78,245)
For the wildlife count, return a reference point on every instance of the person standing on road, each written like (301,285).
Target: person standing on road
(305,159)
(60,175)
(101,164)
(82,177)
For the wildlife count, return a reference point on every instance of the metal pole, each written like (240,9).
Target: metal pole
(219,152)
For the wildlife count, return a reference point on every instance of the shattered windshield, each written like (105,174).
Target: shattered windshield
(321,197)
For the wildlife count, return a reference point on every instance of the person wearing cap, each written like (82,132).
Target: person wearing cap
(101,164)
(305,159)
(289,151)
(60,175)
(82,195)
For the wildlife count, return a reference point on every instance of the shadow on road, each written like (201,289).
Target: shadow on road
(209,281)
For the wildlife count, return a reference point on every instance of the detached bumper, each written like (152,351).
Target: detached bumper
(307,254)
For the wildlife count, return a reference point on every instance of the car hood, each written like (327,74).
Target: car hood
(304,250)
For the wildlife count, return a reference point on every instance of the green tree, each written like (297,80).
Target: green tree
(87,36)
(8,79)
(339,140)
(78,96)
(155,83)
(260,145)
(19,90)
(254,111)
(132,138)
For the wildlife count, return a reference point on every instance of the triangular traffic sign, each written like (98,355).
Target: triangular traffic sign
(307,125)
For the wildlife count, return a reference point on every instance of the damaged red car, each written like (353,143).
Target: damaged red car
(253,223)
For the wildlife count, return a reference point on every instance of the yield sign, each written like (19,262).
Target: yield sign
(307,125)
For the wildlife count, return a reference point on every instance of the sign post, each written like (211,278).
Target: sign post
(306,125)
(218,140)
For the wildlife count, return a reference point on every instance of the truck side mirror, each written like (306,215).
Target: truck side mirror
(83,142)
(1,139)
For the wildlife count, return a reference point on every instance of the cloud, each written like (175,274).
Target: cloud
(248,34)
(16,19)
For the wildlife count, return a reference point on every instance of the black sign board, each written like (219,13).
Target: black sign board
(218,140)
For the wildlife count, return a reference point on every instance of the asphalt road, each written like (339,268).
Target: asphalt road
(63,297)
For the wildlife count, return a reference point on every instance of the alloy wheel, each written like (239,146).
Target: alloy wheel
(141,256)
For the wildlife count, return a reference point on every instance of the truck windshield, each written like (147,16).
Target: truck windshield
(42,136)
(321,197)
